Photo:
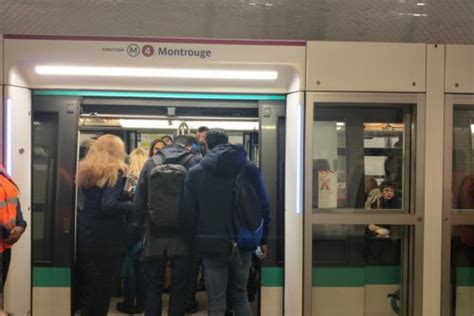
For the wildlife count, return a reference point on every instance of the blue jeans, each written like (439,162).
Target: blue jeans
(155,279)
(228,276)
(133,277)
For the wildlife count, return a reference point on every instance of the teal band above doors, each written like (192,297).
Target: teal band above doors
(51,277)
(161,95)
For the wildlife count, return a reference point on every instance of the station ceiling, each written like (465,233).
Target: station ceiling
(431,21)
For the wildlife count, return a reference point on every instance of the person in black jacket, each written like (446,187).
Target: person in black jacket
(206,209)
(102,229)
(164,244)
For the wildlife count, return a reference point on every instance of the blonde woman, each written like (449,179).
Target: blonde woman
(102,231)
(136,161)
(132,269)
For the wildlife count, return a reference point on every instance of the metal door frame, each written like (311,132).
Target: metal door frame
(451,216)
(414,218)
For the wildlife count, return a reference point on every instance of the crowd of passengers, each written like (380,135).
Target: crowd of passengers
(175,207)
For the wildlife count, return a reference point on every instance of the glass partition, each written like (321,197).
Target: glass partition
(356,273)
(45,131)
(459,209)
(359,157)
(364,213)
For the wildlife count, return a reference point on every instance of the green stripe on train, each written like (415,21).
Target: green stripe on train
(355,276)
(464,276)
(51,277)
(161,95)
(272,277)
(338,276)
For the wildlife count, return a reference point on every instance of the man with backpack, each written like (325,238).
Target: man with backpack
(156,205)
(226,205)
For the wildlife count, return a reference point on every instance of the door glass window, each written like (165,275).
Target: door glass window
(462,270)
(356,273)
(463,158)
(45,131)
(462,199)
(359,157)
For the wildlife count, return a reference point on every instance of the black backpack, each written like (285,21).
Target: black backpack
(165,183)
(247,220)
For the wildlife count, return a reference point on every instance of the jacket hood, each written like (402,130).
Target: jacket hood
(173,153)
(225,160)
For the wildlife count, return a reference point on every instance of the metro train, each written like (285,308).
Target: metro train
(318,118)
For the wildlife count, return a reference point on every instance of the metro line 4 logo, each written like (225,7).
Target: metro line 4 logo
(133,50)
(148,50)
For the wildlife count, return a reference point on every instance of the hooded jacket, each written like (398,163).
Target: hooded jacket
(207,204)
(177,242)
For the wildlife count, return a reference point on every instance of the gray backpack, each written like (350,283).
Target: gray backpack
(165,184)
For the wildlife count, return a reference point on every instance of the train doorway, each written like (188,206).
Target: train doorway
(62,123)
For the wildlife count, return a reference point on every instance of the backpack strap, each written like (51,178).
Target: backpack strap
(157,160)
(186,159)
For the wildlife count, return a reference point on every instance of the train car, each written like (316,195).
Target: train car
(330,124)
(69,89)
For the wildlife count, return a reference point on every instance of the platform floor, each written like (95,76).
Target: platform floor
(201,297)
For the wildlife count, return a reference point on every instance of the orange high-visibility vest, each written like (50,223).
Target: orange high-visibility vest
(8,206)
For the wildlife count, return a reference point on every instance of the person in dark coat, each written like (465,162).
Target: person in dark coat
(168,244)
(206,210)
(102,237)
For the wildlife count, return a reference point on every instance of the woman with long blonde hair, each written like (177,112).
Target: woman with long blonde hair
(102,229)
(136,161)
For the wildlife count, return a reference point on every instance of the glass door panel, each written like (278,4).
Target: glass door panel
(458,230)
(356,152)
(361,151)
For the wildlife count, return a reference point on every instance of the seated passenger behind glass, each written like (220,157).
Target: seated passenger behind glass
(383,198)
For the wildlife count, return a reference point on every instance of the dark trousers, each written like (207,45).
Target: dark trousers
(193,281)
(6,258)
(99,279)
(228,277)
(134,277)
(155,277)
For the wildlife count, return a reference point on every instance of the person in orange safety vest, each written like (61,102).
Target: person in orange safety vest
(12,223)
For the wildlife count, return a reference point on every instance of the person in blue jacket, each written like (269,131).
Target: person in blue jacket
(102,228)
(206,209)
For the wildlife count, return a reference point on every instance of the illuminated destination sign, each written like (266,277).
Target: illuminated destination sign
(134,50)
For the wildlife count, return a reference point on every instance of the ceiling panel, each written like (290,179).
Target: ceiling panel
(441,21)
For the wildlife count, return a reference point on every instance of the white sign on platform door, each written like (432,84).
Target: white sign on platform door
(327,182)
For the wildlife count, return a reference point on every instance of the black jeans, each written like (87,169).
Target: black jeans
(99,279)
(193,281)
(6,258)
(154,279)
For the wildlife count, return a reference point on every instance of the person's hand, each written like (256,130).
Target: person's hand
(3,313)
(264,252)
(15,234)
(382,232)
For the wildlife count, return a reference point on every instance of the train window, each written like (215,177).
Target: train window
(357,273)
(462,269)
(463,158)
(462,201)
(44,143)
(359,156)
